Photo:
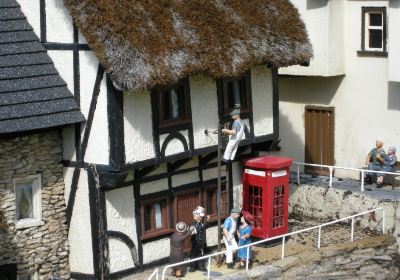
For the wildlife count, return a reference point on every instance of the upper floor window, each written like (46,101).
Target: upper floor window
(28,201)
(235,91)
(172,104)
(373,29)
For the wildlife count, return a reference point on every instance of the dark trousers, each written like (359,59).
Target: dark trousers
(196,252)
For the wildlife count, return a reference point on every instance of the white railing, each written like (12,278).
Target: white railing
(331,168)
(283,236)
(154,274)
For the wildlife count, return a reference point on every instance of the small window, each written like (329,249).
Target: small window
(154,217)
(28,201)
(172,104)
(235,91)
(210,201)
(374,29)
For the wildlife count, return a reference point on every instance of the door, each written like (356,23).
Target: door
(8,272)
(319,138)
(185,203)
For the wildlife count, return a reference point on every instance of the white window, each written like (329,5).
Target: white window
(374,29)
(28,202)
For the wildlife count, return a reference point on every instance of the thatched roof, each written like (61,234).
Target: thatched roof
(143,43)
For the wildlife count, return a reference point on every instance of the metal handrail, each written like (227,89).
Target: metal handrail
(283,236)
(332,167)
(155,273)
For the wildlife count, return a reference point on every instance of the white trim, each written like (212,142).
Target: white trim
(36,181)
(369,27)
(255,172)
(279,173)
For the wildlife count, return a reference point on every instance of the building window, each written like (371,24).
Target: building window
(154,217)
(235,91)
(373,29)
(172,104)
(210,201)
(28,202)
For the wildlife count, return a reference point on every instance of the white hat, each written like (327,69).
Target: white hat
(180,227)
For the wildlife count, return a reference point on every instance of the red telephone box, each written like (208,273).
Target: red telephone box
(266,194)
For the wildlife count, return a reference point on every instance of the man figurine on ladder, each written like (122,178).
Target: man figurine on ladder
(235,135)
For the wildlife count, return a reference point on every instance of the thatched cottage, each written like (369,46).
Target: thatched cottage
(150,78)
(35,104)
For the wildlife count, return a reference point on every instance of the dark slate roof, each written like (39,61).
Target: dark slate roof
(32,94)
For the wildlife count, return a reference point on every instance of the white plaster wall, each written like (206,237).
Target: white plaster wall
(138,126)
(31,9)
(63,62)
(203,94)
(394,40)
(325,26)
(156,250)
(120,209)
(154,186)
(80,240)
(58,22)
(186,178)
(98,146)
(212,173)
(68,139)
(237,186)
(174,146)
(365,104)
(262,93)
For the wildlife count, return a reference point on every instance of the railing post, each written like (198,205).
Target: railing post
(247,260)
(319,237)
(362,180)
(330,176)
(352,229)
(163,273)
(209,268)
(283,247)
(298,174)
(383,221)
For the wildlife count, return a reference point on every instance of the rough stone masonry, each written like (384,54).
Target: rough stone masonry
(42,248)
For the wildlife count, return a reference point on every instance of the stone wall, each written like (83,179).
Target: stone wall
(322,203)
(42,248)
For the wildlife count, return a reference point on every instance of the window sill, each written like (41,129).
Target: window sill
(156,234)
(28,223)
(372,53)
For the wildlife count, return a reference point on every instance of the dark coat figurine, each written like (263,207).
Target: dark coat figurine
(176,242)
(198,239)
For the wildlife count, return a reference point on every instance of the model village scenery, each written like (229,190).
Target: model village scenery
(199,139)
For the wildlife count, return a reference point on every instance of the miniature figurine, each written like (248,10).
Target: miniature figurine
(229,229)
(235,136)
(177,255)
(244,233)
(388,163)
(198,238)
(375,159)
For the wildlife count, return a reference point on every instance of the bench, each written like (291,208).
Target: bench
(388,179)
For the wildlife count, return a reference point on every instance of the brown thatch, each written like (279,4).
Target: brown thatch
(143,43)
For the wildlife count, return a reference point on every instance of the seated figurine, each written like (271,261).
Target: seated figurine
(388,163)
(375,159)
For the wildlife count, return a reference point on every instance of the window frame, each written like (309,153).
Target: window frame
(157,107)
(223,106)
(365,27)
(153,232)
(36,220)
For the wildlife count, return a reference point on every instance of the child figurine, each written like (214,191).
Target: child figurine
(244,233)
(177,255)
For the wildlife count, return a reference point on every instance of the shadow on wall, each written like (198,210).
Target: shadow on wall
(394,4)
(309,90)
(394,96)
(315,4)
